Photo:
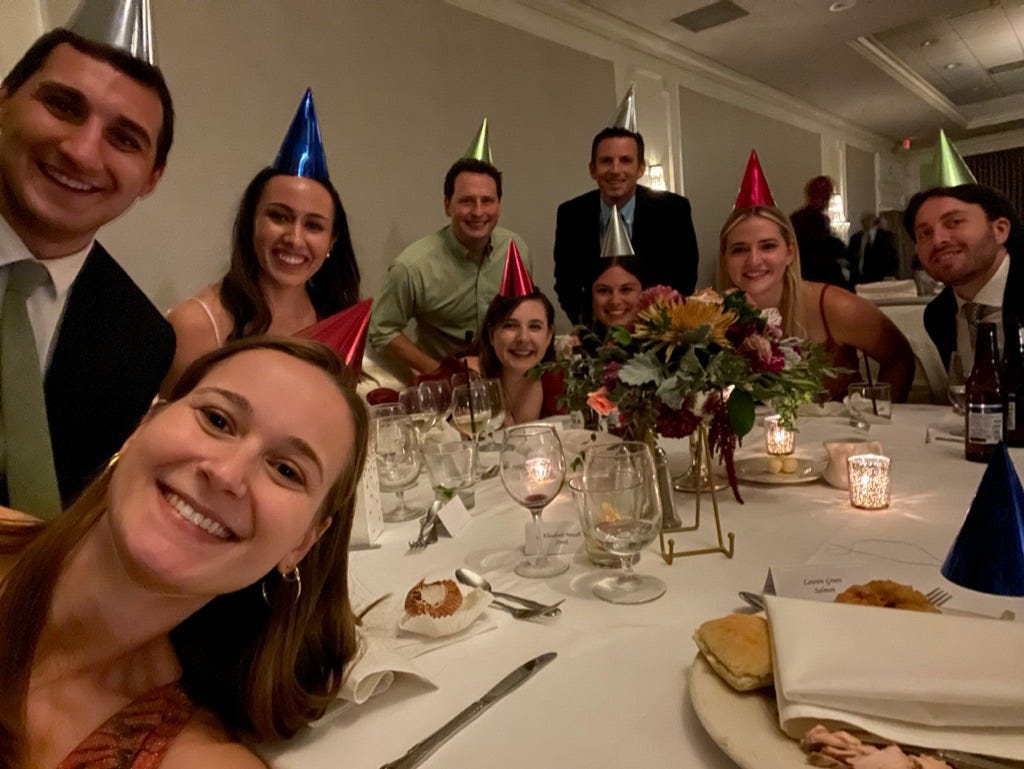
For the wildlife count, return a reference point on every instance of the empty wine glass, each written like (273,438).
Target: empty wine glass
(617,498)
(379,410)
(439,393)
(956,386)
(533,470)
(398,461)
(450,465)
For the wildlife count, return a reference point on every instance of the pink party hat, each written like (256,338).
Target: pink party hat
(754,190)
(988,553)
(344,332)
(516,281)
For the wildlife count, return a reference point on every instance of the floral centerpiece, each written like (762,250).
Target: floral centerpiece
(683,362)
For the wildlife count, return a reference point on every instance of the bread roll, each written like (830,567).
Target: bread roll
(739,649)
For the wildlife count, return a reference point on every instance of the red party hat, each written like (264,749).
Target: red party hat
(344,332)
(516,281)
(754,190)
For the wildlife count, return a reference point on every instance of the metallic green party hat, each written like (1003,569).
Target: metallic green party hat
(948,169)
(480,147)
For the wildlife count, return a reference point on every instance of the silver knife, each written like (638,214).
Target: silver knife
(421,750)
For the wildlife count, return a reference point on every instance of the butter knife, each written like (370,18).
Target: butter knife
(421,750)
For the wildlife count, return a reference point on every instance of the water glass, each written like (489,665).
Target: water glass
(398,461)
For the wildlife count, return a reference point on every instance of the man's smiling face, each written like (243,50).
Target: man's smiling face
(77,148)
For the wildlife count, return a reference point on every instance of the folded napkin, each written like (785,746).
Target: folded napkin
(916,678)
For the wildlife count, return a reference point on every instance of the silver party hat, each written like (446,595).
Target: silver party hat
(616,239)
(625,117)
(124,24)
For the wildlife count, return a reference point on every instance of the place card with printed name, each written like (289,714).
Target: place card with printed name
(563,536)
(453,517)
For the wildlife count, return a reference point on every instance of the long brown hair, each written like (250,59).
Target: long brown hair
(499,310)
(265,670)
(791,305)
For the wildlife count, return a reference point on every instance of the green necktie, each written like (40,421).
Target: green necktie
(30,474)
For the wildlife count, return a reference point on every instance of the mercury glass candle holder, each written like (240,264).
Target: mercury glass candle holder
(869,481)
(778,439)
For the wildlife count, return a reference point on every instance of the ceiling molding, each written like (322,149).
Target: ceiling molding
(892,65)
(573,17)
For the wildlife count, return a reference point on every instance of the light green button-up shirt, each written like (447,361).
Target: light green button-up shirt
(439,285)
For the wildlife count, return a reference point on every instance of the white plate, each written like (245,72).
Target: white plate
(755,470)
(744,724)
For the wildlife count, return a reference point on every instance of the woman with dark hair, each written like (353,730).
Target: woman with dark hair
(517,334)
(758,254)
(163,614)
(292,264)
(615,292)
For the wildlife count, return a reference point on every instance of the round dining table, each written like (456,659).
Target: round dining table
(617,693)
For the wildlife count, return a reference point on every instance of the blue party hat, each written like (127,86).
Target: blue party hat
(302,151)
(988,554)
(124,24)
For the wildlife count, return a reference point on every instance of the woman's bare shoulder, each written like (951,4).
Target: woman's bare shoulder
(205,742)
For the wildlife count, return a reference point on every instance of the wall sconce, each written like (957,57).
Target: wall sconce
(656,175)
(837,218)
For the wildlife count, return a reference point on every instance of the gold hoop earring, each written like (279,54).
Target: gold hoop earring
(114,460)
(291,577)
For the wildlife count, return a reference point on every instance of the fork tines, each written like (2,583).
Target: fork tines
(938,597)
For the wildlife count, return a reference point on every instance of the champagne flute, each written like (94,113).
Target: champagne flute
(956,386)
(398,461)
(532,471)
(619,505)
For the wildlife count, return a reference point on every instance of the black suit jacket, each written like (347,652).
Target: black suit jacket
(663,239)
(881,260)
(940,314)
(111,353)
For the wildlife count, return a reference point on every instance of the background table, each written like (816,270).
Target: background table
(617,694)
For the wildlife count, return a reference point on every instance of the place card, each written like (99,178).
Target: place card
(813,583)
(453,517)
(368,520)
(559,537)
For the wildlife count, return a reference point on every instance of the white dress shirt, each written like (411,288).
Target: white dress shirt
(45,305)
(990,295)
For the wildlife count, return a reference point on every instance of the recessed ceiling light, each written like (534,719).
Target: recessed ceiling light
(842,5)
(951,65)
(927,43)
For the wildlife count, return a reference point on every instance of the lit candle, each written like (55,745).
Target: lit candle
(869,481)
(538,470)
(778,439)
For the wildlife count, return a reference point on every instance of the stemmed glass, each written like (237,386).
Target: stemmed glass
(493,393)
(398,461)
(471,410)
(532,471)
(956,386)
(451,466)
(617,498)
(422,407)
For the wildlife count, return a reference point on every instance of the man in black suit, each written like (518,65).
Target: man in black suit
(659,225)
(821,252)
(872,254)
(85,129)
(970,238)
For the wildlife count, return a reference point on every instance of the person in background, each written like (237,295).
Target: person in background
(659,224)
(821,252)
(292,261)
(758,254)
(85,130)
(196,592)
(969,237)
(445,280)
(615,292)
(872,254)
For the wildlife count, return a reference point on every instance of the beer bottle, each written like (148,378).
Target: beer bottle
(984,407)
(1012,380)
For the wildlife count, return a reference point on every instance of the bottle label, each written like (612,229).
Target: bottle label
(1011,413)
(985,423)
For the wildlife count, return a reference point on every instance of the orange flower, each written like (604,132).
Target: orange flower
(599,402)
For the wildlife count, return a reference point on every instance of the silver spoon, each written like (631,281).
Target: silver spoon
(472,579)
(754,599)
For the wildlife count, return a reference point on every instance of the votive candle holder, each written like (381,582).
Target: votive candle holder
(778,439)
(869,481)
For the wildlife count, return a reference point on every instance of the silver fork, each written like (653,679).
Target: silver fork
(515,611)
(938,598)
(428,528)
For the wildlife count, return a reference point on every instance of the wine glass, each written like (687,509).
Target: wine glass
(439,393)
(494,394)
(471,410)
(379,410)
(451,466)
(421,407)
(398,461)
(532,471)
(619,505)
(956,386)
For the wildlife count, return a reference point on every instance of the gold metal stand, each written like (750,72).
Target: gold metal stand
(669,553)
(699,475)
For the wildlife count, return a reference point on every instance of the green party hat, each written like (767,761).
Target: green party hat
(947,169)
(480,147)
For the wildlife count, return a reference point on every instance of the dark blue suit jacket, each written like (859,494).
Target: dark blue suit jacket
(112,351)
(663,239)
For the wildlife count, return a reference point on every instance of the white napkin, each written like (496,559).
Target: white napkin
(912,677)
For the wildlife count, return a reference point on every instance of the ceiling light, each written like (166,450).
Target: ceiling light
(927,43)
(842,5)
(951,65)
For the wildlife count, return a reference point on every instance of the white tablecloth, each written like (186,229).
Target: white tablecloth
(617,693)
